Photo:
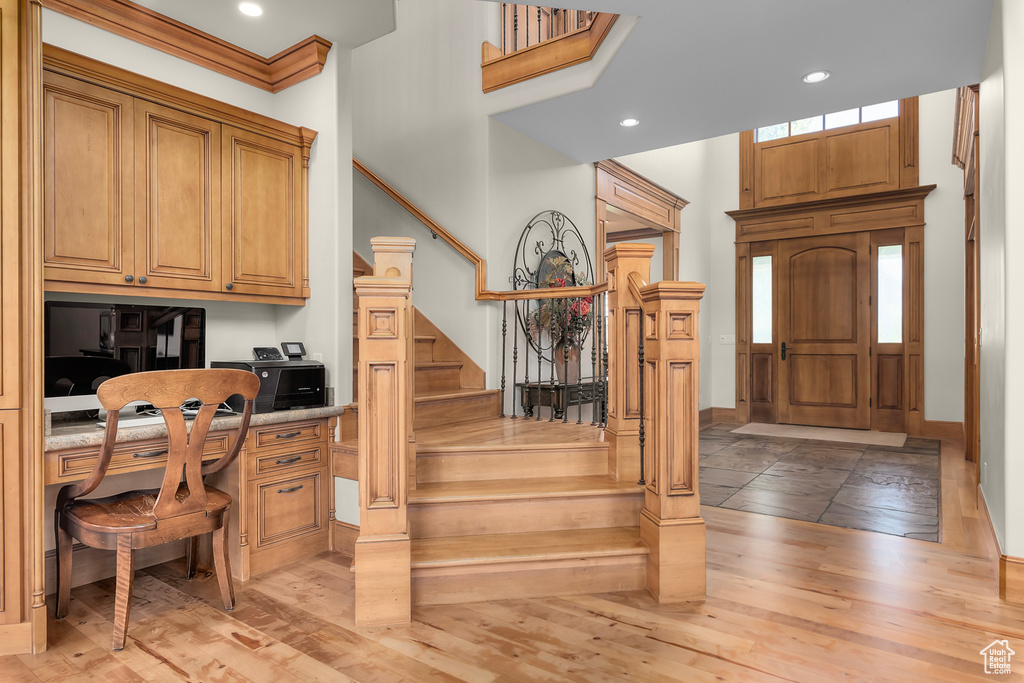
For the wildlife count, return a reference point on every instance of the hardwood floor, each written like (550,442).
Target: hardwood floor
(787,600)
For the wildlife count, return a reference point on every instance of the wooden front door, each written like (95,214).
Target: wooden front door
(824,326)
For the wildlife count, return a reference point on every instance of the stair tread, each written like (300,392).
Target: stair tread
(529,546)
(504,431)
(431,394)
(438,364)
(425,337)
(506,489)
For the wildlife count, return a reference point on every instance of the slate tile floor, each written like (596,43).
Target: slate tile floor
(875,488)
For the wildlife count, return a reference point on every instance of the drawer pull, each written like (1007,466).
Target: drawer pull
(294,488)
(149,454)
(286,436)
(285,461)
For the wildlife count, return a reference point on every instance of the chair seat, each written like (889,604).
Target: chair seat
(132,511)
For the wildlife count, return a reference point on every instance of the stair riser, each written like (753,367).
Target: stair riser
(511,464)
(450,411)
(424,350)
(437,379)
(528,580)
(433,520)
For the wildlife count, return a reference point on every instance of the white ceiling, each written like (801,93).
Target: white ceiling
(695,69)
(347,23)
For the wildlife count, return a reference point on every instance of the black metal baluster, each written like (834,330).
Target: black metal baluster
(540,356)
(515,27)
(640,356)
(565,363)
(607,324)
(504,329)
(593,360)
(554,376)
(579,372)
(539,39)
(515,355)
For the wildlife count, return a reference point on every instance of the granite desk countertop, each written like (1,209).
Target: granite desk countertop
(89,433)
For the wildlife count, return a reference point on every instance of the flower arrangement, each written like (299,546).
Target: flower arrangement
(565,321)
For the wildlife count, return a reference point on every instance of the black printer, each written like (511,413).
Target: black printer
(284,384)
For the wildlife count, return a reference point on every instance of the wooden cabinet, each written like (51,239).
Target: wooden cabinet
(150,187)
(263,206)
(283,491)
(177,202)
(88,182)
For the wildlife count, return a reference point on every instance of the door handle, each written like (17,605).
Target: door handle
(783,350)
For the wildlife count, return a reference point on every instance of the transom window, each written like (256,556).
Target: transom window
(816,124)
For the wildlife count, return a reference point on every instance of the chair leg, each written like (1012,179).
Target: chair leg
(123,595)
(191,557)
(64,551)
(223,565)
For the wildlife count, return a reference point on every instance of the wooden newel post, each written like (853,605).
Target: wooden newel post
(382,561)
(670,523)
(623,429)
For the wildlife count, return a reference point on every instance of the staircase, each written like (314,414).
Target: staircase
(505,508)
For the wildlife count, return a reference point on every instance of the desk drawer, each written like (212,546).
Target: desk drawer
(265,463)
(289,507)
(285,435)
(72,465)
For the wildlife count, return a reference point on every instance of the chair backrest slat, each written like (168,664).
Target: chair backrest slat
(168,390)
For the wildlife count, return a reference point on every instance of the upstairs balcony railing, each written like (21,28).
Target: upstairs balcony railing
(537,40)
(526,25)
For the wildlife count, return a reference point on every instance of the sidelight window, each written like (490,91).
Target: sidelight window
(761,299)
(890,294)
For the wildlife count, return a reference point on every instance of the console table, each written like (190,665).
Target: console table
(559,396)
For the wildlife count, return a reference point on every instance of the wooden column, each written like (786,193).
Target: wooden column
(670,523)
(382,562)
(623,429)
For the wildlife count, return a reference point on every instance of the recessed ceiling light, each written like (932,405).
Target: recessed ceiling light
(250,8)
(816,76)
(629,123)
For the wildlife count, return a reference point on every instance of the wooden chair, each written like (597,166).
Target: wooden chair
(182,508)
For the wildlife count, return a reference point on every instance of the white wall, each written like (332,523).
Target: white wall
(1002,285)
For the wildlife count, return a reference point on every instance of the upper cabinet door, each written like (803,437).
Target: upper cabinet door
(177,199)
(88,232)
(263,208)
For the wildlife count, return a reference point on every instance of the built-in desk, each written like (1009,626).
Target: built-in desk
(283,499)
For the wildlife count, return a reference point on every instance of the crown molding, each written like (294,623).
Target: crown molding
(303,60)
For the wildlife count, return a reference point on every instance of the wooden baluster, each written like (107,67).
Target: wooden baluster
(382,551)
(623,337)
(670,524)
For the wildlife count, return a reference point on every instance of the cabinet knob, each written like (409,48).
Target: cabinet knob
(229,286)
(143,279)
(128,278)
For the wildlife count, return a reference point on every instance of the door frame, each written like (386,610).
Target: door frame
(880,213)
(650,209)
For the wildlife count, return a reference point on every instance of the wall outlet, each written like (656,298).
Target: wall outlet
(727,339)
(319,357)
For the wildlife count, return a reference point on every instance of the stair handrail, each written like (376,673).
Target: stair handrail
(481,292)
